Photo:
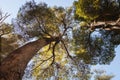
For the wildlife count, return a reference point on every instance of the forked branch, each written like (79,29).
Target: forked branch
(53,52)
(3,17)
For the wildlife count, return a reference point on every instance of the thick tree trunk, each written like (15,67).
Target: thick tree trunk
(13,66)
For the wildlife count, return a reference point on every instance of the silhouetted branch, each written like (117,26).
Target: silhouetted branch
(53,56)
(65,31)
(3,17)
(42,62)
(68,54)
(53,52)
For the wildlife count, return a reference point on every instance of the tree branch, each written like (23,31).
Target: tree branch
(68,54)
(2,18)
(42,63)
(53,52)
(107,25)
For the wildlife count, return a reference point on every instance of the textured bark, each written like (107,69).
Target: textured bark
(13,66)
(106,25)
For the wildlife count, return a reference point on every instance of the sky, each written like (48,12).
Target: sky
(114,67)
(12,6)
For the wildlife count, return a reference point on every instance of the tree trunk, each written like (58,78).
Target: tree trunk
(13,66)
(0,47)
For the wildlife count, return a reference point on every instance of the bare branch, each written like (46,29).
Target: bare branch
(53,56)
(42,62)
(3,17)
(68,54)
(118,21)
(49,47)
(53,52)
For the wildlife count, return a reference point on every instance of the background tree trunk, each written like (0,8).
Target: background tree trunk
(13,66)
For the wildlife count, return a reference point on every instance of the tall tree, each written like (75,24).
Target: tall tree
(57,28)
(40,17)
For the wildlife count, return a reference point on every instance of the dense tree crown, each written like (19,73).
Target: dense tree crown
(74,42)
(97,9)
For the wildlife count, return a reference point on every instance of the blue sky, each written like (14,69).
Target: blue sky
(12,6)
(114,67)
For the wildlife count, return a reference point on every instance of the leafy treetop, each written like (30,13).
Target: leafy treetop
(97,9)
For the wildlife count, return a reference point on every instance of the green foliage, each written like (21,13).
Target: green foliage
(63,69)
(91,9)
(39,19)
(8,40)
(101,75)
(115,37)
(5,29)
(81,42)
(87,9)
(94,49)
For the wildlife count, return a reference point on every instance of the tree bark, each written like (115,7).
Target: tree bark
(13,66)
(106,25)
